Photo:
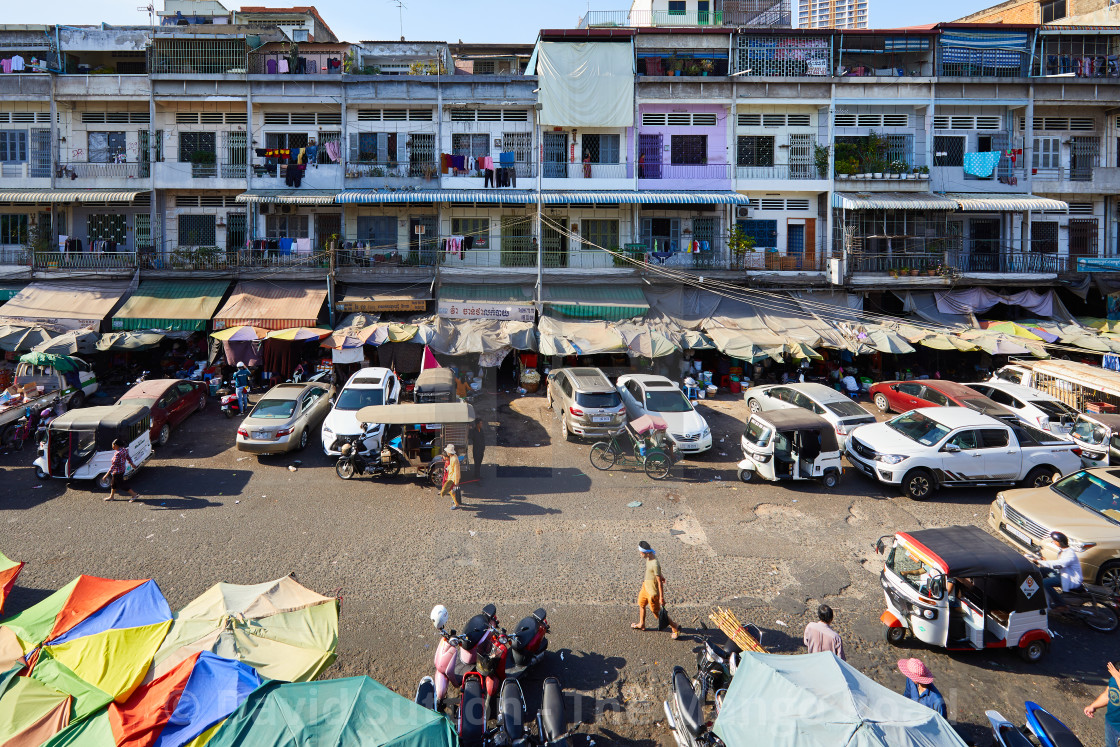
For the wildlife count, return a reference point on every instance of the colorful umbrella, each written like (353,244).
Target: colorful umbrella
(349,712)
(342,339)
(282,629)
(888,341)
(947,342)
(131,340)
(998,344)
(30,712)
(299,333)
(9,571)
(1010,328)
(240,333)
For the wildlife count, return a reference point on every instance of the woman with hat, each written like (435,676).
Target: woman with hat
(451,476)
(652,593)
(919,685)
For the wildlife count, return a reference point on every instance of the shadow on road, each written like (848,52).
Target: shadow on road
(166,483)
(587,670)
(23,597)
(505,508)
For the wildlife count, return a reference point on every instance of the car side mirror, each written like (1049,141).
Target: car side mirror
(951,448)
(894,387)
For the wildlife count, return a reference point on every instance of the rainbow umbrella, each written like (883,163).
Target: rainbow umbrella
(240,333)
(9,571)
(1010,328)
(299,333)
(30,712)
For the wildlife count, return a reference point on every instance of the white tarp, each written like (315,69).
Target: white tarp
(586,84)
(559,337)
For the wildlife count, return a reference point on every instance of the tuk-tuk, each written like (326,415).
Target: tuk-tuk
(960,588)
(425,430)
(792,444)
(434,385)
(79,444)
(1098,436)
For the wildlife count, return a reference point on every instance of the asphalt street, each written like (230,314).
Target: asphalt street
(542,528)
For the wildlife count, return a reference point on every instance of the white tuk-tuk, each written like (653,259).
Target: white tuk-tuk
(792,444)
(1098,437)
(79,443)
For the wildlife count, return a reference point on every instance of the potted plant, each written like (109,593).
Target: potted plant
(820,160)
(923,172)
(673,65)
(898,168)
(706,66)
(914,272)
(740,244)
(692,68)
(892,272)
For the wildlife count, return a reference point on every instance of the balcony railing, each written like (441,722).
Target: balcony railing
(14,256)
(306,63)
(1065,174)
(587,171)
(784,171)
(77,170)
(84,260)
(959,261)
(763,13)
(38,170)
(709,171)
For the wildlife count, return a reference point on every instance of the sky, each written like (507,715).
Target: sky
(514,21)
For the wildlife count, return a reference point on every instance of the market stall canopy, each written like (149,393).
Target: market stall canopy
(56,361)
(782,700)
(129,341)
(608,303)
(347,712)
(802,351)
(9,572)
(944,341)
(69,304)
(996,344)
(481,336)
(299,334)
(892,201)
(738,344)
(240,333)
(70,343)
(888,341)
(385,298)
(560,337)
(179,305)
(272,305)
(647,340)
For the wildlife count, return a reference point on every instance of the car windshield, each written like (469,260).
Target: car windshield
(670,400)
(845,409)
(917,427)
(357,398)
(1054,409)
(1088,432)
(1090,491)
(274,409)
(981,405)
(758,433)
(598,399)
(913,570)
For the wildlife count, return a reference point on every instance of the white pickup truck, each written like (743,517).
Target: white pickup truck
(932,447)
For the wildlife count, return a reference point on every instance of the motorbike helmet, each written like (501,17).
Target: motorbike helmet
(1059,539)
(45,414)
(439,616)
(346,449)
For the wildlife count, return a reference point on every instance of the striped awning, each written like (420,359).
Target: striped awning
(73,195)
(526,197)
(892,201)
(491,196)
(290,196)
(609,303)
(647,197)
(975,203)
(985,40)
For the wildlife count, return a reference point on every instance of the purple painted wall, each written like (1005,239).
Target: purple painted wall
(716,174)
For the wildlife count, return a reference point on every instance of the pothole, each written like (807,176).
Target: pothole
(689,531)
(771,510)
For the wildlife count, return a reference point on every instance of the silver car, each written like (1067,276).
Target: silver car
(586,402)
(284,418)
(836,408)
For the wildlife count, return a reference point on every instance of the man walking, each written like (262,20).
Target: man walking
(451,476)
(241,386)
(819,636)
(477,438)
(121,457)
(652,594)
(919,685)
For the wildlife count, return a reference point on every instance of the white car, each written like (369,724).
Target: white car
(838,409)
(931,447)
(367,387)
(644,394)
(1032,406)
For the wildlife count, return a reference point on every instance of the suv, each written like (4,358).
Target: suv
(587,402)
(1032,406)
(369,386)
(837,409)
(903,396)
(1085,506)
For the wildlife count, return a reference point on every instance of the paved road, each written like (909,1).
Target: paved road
(541,529)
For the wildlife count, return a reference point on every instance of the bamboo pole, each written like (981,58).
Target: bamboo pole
(727,622)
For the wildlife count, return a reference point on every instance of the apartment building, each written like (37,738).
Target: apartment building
(832,14)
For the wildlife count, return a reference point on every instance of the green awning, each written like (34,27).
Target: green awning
(609,303)
(9,290)
(493,292)
(180,305)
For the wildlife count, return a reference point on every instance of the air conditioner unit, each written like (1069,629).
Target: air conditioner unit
(285,208)
(742,211)
(264,208)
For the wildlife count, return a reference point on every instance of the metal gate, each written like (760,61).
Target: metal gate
(555,244)
(423,247)
(1084,152)
(236,156)
(555,155)
(520,144)
(649,156)
(236,232)
(326,226)
(1083,237)
(421,154)
(800,156)
(517,243)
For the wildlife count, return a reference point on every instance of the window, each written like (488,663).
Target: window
(910,388)
(994,438)
(755,151)
(688,149)
(13,229)
(191,143)
(602,148)
(677,7)
(197,230)
(421,153)
(106,147)
(470,145)
(286,227)
(13,146)
(479,228)
(602,233)
(1044,237)
(107,227)
(1053,11)
(281,140)
(936,397)
(1047,153)
(966,440)
(948,151)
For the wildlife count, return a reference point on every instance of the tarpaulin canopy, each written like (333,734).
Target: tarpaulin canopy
(49,360)
(75,341)
(174,709)
(9,572)
(30,712)
(180,305)
(282,629)
(272,305)
(811,700)
(349,712)
(240,333)
(979,300)
(23,336)
(734,343)
(558,337)
(129,341)
(924,306)
(607,303)
(69,304)
(483,336)
(647,340)
(586,84)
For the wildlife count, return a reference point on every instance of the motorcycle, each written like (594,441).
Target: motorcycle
(457,655)
(512,730)
(1095,606)
(506,656)
(552,718)
(684,713)
(230,403)
(715,665)
(355,459)
(1047,729)
(513,727)
(1006,733)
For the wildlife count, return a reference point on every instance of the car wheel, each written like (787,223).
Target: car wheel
(164,435)
(754,405)
(1033,651)
(895,636)
(918,485)
(881,403)
(202,403)
(302,440)
(1109,576)
(567,434)
(831,479)
(747,475)
(76,400)
(103,481)
(39,473)
(1039,477)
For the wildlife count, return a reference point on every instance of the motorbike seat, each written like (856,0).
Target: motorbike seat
(1012,737)
(553,715)
(511,709)
(526,630)
(720,652)
(1057,732)
(688,705)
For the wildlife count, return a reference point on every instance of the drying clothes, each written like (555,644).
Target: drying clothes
(981,164)
(303,246)
(459,163)
(488,178)
(468,243)
(17,64)
(6,65)
(282,66)
(334,150)
(444,163)
(508,158)
(270,67)
(454,246)
(311,152)
(293,176)
(485,162)
(282,153)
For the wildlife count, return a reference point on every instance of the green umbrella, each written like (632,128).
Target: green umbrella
(129,341)
(49,360)
(888,341)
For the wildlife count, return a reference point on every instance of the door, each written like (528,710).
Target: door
(801,157)
(985,245)
(907,396)
(1082,237)
(967,464)
(555,155)
(378,233)
(661,235)
(1003,457)
(327,225)
(555,244)
(795,242)
(649,156)
(423,247)
(236,233)
(1084,153)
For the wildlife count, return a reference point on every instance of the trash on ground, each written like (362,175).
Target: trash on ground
(633,504)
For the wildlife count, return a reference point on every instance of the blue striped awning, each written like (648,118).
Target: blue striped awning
(981,40)
(526,197)
(493,196)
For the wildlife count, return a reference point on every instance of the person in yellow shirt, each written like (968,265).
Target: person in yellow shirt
(451,476)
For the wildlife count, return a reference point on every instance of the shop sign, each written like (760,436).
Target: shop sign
(496,311)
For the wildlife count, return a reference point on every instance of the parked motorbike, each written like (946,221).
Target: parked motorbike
(471,723)
(230,404)
(715,665)
(684,713)
(356,459)
(504,655)
(1047,729)
(552,718)
(1006,733)
(512,731)
(456,655)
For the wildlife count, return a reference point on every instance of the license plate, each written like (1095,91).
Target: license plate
(1017,534)
(262,435)
(600,418)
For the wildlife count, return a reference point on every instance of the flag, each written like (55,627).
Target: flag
(429,360)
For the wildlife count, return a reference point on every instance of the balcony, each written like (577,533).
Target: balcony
(186,175)
(1077,180)
(684,176)
(760,177)
(598,176)
(525,178)
(25,175)
(104,175)
(1004,180)
(388,174)
(315,176)
(916,266)
(759,13)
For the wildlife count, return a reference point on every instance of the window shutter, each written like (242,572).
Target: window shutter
(353,147)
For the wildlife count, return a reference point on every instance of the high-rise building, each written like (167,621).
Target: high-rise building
(832,14)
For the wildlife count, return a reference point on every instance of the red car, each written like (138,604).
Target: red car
(903,396)
(171,401)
